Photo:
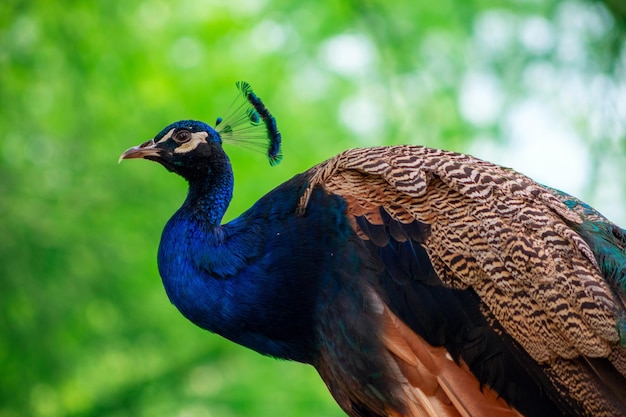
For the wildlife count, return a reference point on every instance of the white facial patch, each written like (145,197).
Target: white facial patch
(166,136)
(196,139)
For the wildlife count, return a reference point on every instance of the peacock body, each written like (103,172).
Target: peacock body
(418,282)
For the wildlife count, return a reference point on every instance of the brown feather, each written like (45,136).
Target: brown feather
(434,380)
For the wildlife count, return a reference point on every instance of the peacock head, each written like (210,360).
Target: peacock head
(187,146)
(181,147)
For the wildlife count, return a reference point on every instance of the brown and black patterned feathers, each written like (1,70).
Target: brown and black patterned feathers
(529,254)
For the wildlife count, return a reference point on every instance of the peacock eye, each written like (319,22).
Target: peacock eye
(182,136)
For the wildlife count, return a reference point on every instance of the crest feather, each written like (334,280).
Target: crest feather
(250,124)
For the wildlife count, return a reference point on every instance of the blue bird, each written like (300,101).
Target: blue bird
(417,281)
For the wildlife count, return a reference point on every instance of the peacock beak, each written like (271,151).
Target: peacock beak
(144,150)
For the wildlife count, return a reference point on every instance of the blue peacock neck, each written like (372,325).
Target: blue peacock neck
(210,190)
(237,279)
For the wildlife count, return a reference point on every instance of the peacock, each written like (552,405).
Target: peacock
(417,281)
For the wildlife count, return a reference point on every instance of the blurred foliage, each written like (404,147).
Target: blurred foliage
(86,327)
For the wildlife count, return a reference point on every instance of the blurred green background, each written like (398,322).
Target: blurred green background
(86,328)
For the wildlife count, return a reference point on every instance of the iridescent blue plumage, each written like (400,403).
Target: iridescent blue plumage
(242,272)
(342,267)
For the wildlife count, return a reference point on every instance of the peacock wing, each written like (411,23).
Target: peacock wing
(518,245)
